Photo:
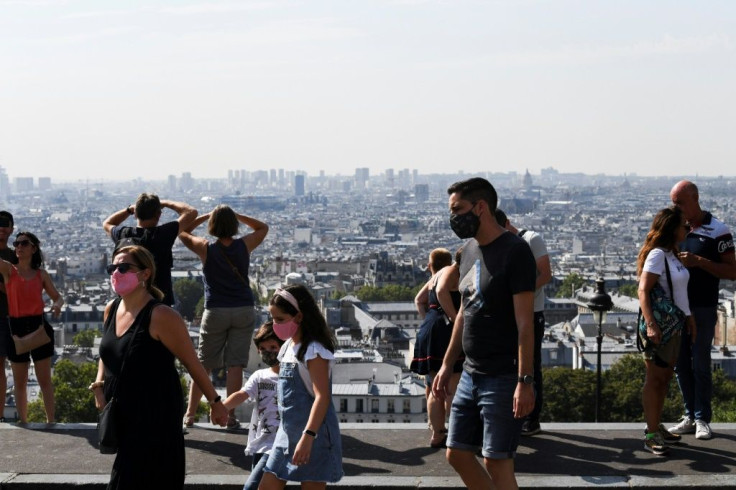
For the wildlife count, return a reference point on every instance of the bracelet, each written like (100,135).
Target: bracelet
(310,433)
(95,385)
(217,399)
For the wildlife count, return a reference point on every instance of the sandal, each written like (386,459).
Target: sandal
(233,423)
(189,421)
(439,442)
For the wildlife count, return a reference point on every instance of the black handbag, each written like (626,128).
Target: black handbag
(107,423)
(668,316)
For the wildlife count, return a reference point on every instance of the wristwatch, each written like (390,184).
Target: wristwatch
(527,379)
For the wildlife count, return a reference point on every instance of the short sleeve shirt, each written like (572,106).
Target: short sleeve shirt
(261,388)
(490,276)
(162,239)
(288,354)
(654,264)
(539,250)
(711,239)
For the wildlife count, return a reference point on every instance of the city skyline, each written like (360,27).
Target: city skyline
(103,91)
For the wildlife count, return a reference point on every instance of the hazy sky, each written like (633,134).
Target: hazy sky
(124,89)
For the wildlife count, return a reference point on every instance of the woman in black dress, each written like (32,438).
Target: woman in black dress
(437,302)
(151,452)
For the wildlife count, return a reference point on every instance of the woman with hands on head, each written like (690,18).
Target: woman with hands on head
(657,255)
(229,304)
(151,450)
(25,283)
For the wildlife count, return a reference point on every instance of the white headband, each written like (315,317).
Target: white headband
(288,297)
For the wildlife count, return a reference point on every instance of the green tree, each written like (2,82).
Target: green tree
(569,395)
(188,292)
(74,402)
(199,309)
(391,292)
(724,397)
(86,338)
(630,290)
(569,284)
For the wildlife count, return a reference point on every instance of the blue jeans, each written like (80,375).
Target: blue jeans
(482,416)
(256,472)
(693,367)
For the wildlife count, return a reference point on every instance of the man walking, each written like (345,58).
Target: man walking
(708,254)
(158,239)
(6,253)
(544,275)
(494,327)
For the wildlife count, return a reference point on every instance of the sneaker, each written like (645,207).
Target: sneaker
(530,427)
(233,423)
(667,436)
(685,426)
(654,444)
(702,430)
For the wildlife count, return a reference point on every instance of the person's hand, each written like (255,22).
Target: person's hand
(218,414)
(441,383)
(100,401)
(523,400)
(688,259)
(654,334)
(303,450)
(55,311)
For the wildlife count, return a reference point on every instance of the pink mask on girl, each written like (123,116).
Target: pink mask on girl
(124,284)
(285,331)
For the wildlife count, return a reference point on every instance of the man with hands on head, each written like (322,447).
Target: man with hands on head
(147,210)
(495,329)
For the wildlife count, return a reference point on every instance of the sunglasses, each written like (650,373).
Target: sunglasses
(21,243)
(123,267)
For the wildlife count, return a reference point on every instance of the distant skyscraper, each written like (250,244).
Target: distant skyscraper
(186,181)
(172,183)
(23,184)
(4,183)
(390,177)
(272,176)
(421,192)
(527,179)
(299,185)
(361,177)
(44,183)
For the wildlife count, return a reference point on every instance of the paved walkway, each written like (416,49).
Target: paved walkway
(390,456)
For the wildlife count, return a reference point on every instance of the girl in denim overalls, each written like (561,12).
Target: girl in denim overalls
(307,448)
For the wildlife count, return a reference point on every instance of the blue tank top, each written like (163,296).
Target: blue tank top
(222,286)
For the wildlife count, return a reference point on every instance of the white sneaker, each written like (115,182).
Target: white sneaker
(685,426)
(702,430)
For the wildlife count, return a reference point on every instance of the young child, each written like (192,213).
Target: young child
(261,388)
(307,448)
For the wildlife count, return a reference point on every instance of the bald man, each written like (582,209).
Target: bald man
(708,254)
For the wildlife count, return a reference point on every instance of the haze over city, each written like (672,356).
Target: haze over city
(116,91)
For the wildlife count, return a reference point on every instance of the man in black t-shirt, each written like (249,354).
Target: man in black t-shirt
(158,239)
(495,329)
(6,253)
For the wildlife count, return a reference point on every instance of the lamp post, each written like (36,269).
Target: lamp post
(599,304)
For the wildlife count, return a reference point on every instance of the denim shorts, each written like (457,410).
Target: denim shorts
(482,416)
(225,336)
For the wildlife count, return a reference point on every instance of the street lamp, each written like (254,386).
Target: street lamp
(599,304)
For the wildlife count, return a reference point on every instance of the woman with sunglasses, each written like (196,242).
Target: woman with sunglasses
(229,304)
(25,283)
(149,396)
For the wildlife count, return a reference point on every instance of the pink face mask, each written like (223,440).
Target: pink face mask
(124,284)
(285,331)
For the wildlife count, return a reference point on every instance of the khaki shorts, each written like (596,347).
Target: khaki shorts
(225,336)
(664,355)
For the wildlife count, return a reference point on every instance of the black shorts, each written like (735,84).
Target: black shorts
(24,325)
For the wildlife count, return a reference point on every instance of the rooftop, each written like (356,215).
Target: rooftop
(389,456)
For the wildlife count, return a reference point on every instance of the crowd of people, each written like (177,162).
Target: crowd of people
(478,348)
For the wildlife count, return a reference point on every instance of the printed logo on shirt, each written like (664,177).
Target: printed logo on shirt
(725,245)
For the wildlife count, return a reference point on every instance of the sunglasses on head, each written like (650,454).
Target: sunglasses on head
(123,267)
(21,243)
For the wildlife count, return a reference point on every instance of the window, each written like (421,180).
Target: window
(374,405)
(390,406)
(359,406)
(343,404)
(407,406)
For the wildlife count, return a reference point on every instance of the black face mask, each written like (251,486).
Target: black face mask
(465,225)
(270,358)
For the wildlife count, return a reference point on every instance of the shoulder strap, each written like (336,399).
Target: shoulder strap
(147,310)
(521,233)
(232,266)
(669,278)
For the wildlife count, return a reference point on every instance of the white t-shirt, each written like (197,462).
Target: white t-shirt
(288,354)
(262,389)
(654,264)
(539,250)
